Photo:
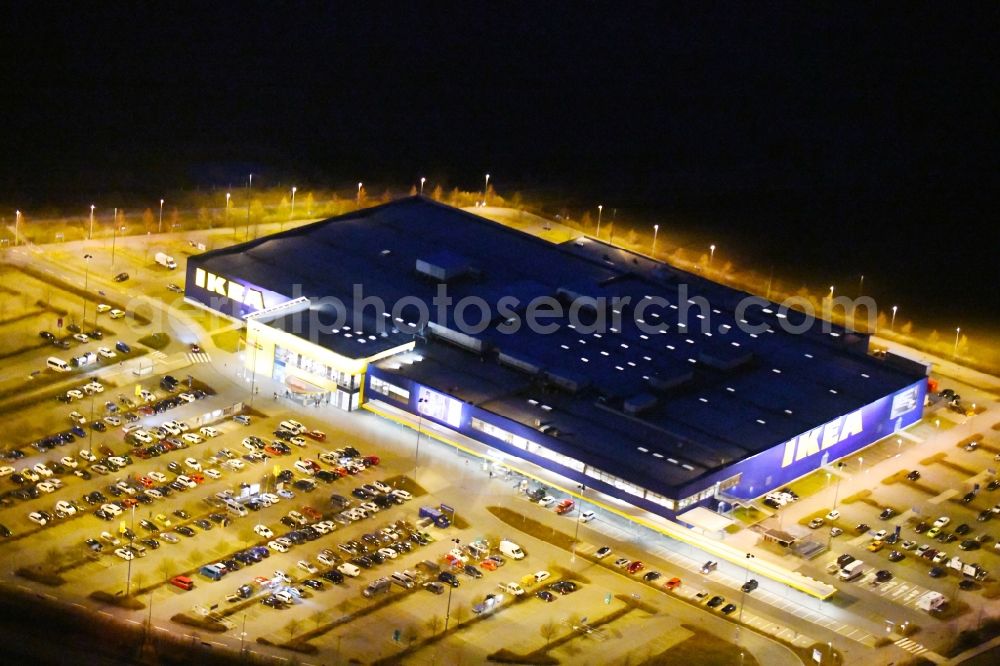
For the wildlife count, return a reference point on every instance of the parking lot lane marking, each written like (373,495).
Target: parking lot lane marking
(161,628)
(219,644)
(132,621)
(79,605)
(104,612)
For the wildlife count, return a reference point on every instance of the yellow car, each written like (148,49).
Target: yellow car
(876,546)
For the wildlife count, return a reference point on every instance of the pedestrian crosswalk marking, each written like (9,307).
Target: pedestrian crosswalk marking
(200,357)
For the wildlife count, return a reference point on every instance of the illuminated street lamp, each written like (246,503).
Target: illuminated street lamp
(831,292)
(359,193)
(17,221)
(656,230)
(249,196)
(422,180)
(746,577)
(600,209)
(420,424)
(160,231)
(86,280)
(892,323)
(91,221)
(486,188)
(294,189)
(957,331)
(711,254)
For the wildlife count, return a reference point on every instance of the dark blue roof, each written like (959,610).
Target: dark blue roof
(722,393)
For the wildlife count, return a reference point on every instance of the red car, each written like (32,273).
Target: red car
(371,460)
(197,478)
(318,435)
(565,506)
(271,451)
(489,565)
(636,567)
(311,512)
(672,584)
(147,482)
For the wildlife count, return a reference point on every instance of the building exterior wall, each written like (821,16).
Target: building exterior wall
(749,478)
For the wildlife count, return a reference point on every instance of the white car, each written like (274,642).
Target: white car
(349,569)
(235,464)
(124,554)
(113,421)
(213,473)
(277,546)
(81,337)
(833,515)
(263,531)
(281,576)
(548,500)
(77,418)
(93,387)
(942,521)
(187,481)
(142,436)
(7,471)
(186,397)
(298,517)
(29,474)
(402,494)
(388,553)
(64,508)
(112,509)
(36,517)
(68,461)
(42,470)
(102,308)
(191,463)
(110,538)
(87,455)
(286,493)
(382,487)
(307,566)
(293,427)
(104,352)
(327,557)
(304,467)
(147,396)
(116,314)
(209,432)
(170,427)
(269,498)
(159,477)
(541,576)
(45,487)
(184,427)
(298,441)
(56,483)
(74,394)
(192,438)
(587,516)
(118,461)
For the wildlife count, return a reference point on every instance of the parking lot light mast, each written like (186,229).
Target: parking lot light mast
(746,578)
(422,181)
(91,222)
(711,254)
(579,514)
(160,228)
(656,230)
(447,612)
(420,424)
(17,221)
(486,188)
(892,322)
(600,209)
(292,215)
(957,331)
(249,196)
(86,282)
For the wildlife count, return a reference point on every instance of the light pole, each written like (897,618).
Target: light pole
(892,323)
(861,285)
(420,423)
(600,209)
(486,188)
(359,194)
(160,231)
(447,612)
(711,254)
(128,579)
(836,490)
(86,278)
(17,221)
(861,464)
(746,578)
(957,331)
(422,180)
(656,230)
(294,189)
(249,195)
(579,514)
(114,238)
(91,221)
(831,292)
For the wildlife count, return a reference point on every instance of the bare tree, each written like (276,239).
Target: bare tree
(293,627)
(434,624)
(167,567)
(548,631)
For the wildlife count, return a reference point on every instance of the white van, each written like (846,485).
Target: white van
(236,508)
(511,550)
(57,364)
(852,570)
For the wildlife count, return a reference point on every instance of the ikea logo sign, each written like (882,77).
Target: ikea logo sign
(232,290)
(822,438)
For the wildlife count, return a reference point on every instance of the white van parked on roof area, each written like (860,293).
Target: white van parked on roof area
(57,364)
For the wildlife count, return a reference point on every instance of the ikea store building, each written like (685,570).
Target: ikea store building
(650,384)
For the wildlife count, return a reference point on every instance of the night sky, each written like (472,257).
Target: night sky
(814,128)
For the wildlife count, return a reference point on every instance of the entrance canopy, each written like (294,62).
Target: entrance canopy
(299,385)
(705,519)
